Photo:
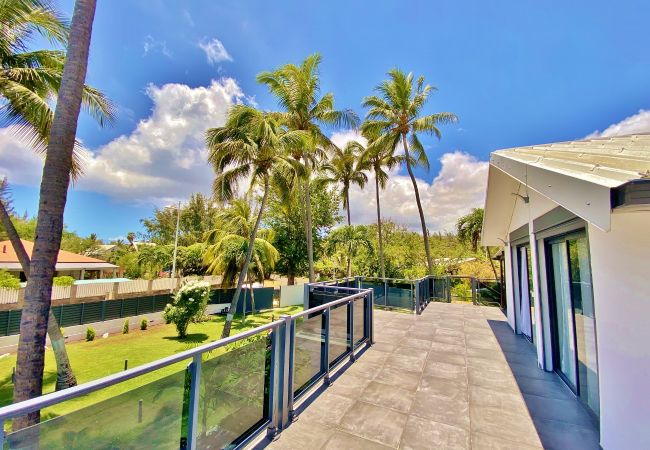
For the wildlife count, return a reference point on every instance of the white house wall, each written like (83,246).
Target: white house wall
(621,283)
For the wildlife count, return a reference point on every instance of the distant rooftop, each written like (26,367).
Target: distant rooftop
(65,260)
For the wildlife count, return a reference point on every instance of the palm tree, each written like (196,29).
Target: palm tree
(379,158)
(351,237)
(64,375)
(344,169)
(297,89)
(49,226)
(30,80)
(228,245)
(396,115)
(469,228)
(251,144)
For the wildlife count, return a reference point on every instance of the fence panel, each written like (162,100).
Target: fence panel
(8,296)
(128,287)
(93,289)
(60,292)
(488,292)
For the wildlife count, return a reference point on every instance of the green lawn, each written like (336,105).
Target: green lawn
(93,360)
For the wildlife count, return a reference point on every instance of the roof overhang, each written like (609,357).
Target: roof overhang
(65,266)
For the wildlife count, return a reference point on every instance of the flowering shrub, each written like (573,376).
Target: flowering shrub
(189,305)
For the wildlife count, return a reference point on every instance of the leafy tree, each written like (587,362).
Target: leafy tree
(397,115)
(8,281)
(197,217)
(469,228)
(352,238)
(58,165)
(31,79)
(285,218)
(379,158)
(190,260)
(154,259)
(297,89)
(251,144)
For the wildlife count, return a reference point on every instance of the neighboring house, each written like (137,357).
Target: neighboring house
(79,267)
(574,221)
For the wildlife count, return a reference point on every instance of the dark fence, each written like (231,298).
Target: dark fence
(263,298)
(83,313)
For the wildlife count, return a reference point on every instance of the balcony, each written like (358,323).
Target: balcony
(455,376)
(340,374)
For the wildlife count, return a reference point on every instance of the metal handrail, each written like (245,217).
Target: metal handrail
(332,304)
(281,395)
(37,403)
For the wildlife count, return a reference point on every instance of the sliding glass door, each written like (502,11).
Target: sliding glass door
(573,313)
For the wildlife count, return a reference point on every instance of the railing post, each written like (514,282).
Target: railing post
(370,310)
(416,293)
(385,293)
(275,384)
(325,354)
(195,393)
(473,282)
(351,329)
(291,332)
(286,390)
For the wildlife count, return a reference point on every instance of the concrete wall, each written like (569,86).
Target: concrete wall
(620,263)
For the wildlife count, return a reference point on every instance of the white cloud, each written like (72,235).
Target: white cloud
(458,187)
(188,17)
(18,162)
(163,159)
(341,138)
(150,45)
(636,124)
(215,51)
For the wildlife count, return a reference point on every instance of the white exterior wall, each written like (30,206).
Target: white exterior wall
(620,264)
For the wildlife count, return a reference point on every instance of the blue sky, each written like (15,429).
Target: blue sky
(515,72)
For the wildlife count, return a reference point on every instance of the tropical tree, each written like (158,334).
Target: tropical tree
(352,238)
(396,114)
(380,158)
(53,194)
(64,375)
(469,228)
(285,218)
(228,245)
(343,169)
(297,89)
(153,259)
(30,80)
(252,144)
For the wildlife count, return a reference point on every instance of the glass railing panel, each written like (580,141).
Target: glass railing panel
(338,333)
(400,295)
(308,350)
(149,416)
(233,396)
(359,322)
(377,290)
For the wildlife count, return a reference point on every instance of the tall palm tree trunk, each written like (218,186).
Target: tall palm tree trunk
(381,244)
(49,225)
(347,202)
(244,270)
(308,230)
(64,375)
(425,233)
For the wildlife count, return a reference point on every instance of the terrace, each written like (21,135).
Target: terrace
(455,376)
(452,376)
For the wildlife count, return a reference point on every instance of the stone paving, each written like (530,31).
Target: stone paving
(455,377)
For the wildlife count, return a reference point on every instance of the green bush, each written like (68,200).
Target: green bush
(189,305)
(144,323)
(8,281)
(63,281)
(125,327)
(90,334)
